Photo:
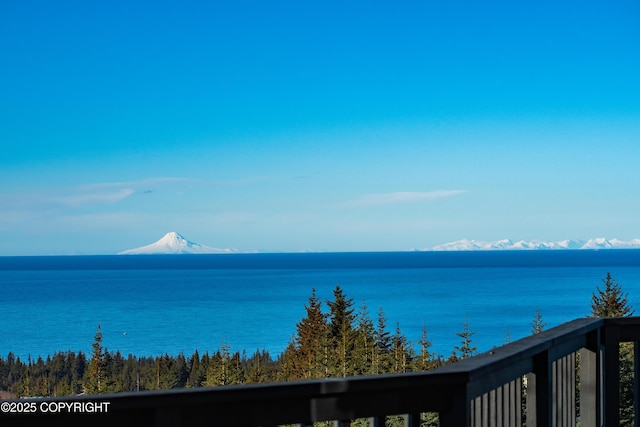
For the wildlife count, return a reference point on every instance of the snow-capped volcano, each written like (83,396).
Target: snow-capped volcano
(506,244)
(174,243)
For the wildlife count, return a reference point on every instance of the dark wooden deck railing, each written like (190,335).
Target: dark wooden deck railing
(533,381)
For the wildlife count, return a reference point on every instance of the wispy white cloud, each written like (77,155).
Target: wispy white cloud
(403,197)
(45,201)
(113,192)
(90,197)
(140,185)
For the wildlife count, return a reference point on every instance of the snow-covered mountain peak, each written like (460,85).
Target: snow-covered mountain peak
(174,243)
(174,240)
(598,243)
(506,244)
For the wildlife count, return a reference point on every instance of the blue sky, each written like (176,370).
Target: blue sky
(288,126)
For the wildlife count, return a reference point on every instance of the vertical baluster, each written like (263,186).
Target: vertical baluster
(572,389)
(485,409)
(566,390)
(500,404)
(478,410)
(516,402)
(492,415)
(562,403)
(568,367)
(554,393)
(507,404)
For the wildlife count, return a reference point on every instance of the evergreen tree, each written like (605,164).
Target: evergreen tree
(311,342)
(610,302)
(424,361)
(147,375)
(166,372)
(364,346)
(260,368)
(196,373)
(341,332)
(113,364)
(25,387)
(217,370)
(40,383)
(288,364)
(224,368)
(538,324)
(94,381)
(236,373)
(205,361)
(78,365)
(401,352)
(60,369)
(9,375)
(130,375)
(215,375)
(466,349)
(382,361)
(182,370)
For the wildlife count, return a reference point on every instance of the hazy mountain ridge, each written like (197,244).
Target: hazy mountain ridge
(507,244)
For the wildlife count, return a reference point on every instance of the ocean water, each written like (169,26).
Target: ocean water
(152,305)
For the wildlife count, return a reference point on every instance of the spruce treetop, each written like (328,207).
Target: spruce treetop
(610,302)
(538,324)
(466,349)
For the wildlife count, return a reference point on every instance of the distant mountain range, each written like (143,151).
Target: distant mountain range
(174,243)
(506,244)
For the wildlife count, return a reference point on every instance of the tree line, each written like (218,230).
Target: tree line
(337,342)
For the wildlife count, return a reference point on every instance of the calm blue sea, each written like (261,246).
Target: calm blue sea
(152,305)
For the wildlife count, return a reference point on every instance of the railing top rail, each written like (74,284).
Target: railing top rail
(568,337)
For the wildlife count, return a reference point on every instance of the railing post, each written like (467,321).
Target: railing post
(590,371)
(589,394)
(459,413)
(540,392)
(611,386)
